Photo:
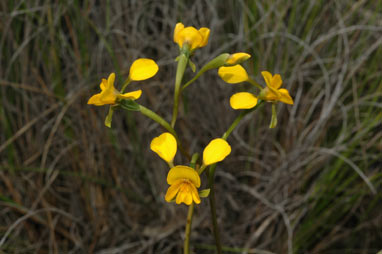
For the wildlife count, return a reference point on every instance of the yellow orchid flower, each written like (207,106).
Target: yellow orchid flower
(233,74)
(273,92)
(183,181)
(109,94)
(165,146)
(216,151)
(141,69)
(190,36)
(237,58)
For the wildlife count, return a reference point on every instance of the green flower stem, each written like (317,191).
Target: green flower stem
(201,169)
(170,164)
(254,83)
(211,197)
(154,116)
(274,117)
(194,158)
(193,79)
(182,64)
(127,82)
(213,64)
(188,229)
(211,178)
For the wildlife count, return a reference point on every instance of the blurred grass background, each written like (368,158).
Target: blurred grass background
(68,184)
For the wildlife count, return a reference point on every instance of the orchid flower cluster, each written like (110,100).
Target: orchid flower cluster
(183,180)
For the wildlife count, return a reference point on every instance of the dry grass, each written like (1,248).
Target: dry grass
(70,185)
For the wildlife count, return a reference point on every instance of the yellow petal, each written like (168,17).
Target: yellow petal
(110,81)
(188,199)
(285,97)
(165,146)
(243,100)
(269,94)
(179,27)
(195,194)
(143,68)
(105,97)
(276,81)
(205,32)
(267,77)
(173,190)
(131,95)
(185,195)
(109,95)
(237,58)
(216,151)
(95,99)
(183,172)
(103,84)
(233,74)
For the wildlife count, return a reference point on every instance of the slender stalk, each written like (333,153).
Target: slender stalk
(239,118)
(211,179)
(157,118)
(127,82)
(188,229)
(214,63)
(170,164)
(274,117)
(192,80)
(182,64)
(254,83)
(201,169)
(234,124)
(211,197)
(195,157)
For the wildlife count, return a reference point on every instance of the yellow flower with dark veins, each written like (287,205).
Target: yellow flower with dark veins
(191,36)
(109,94)
(183,181)
(273,92)
(141,69)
